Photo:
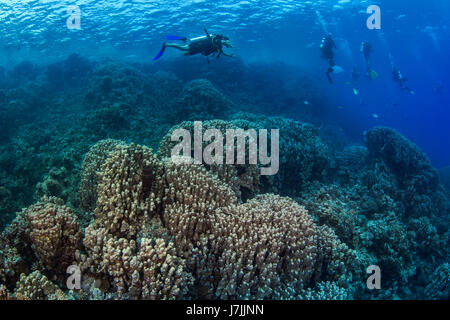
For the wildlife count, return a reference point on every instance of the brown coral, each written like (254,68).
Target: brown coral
(92,163)
(147,268)
(191,198)
(266,248)
(36,286)
(164,275)
(335,260)
(54,233)
(243,179)
(4,294)
(129,191)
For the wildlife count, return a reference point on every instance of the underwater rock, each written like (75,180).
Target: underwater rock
(163,230)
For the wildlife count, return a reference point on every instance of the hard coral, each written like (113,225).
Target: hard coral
(244,179)
(92,163)
(54,233)
(266,249)
(37,286)
(129,191)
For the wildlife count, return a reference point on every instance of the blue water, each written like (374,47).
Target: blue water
(414,36)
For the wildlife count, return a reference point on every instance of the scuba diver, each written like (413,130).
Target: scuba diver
(207,45)
(398,78)
(367,49)
(326,47)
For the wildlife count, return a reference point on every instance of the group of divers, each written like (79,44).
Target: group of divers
(212,45)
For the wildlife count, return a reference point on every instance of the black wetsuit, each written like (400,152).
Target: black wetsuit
(367,52)
(400,80)
(204,45)
(326,48)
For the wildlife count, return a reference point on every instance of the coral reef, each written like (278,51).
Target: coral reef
(36,286)
(81,186)
(201,100)
(243,179)
(439,288)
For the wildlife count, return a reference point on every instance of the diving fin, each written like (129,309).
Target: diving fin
(161,52)
(175,38)
(337,69)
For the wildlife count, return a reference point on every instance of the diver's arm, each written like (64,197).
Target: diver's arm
(226,54)
(228,45)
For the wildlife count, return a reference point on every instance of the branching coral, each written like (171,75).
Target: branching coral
(129,191)
(244,179)
(130,196)
(36,286)
(191,199)
(92,162)
(11,262)
(266,249)
(325,291)
(439,287)
(146,269)
(54,233)
(4,294)
(164,274)
(400,154)
(304,157)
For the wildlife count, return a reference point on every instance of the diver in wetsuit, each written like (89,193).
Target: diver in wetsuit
(326,47)
(399,79)
(366,50)
(207,45)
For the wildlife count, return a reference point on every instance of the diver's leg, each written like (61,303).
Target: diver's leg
(180,47)
(328,73)
(368,65)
